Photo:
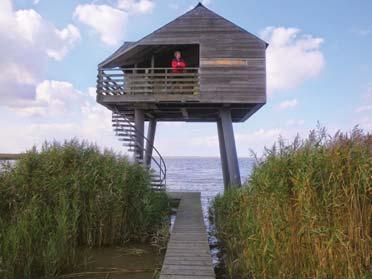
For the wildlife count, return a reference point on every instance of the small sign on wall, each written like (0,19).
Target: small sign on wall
(224,62)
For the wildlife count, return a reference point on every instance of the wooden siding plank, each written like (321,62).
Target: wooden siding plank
(218,39)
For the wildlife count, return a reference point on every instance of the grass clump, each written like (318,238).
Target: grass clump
(304,213)
(67,197)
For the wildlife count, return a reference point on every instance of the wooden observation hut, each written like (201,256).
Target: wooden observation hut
(224,82)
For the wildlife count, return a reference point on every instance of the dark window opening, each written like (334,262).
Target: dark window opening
(163,55)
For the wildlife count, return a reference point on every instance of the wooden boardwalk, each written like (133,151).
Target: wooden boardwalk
(188,255)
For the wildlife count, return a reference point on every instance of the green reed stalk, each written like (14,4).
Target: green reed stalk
(68,197)
(304,213)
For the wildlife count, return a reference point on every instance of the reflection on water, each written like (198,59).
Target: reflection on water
(134,261)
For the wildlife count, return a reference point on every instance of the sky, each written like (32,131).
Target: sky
(319,69)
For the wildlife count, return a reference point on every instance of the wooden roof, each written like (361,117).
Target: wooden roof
(129,49)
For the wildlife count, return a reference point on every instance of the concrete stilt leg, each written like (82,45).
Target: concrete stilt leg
(150,143)
(139,120)
(231,154)
(224,165)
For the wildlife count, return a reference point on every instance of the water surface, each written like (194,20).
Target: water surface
(190,174)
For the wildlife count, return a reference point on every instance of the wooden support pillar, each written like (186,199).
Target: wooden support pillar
(139,120)
(153,61)
(224,165)
(150,143)
(231,154)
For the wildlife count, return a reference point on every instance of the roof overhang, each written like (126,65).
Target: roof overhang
(128,53)
(135,53)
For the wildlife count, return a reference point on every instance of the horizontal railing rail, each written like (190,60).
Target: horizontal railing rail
(132,81)
(9,156)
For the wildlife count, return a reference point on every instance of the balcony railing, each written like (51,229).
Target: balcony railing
(132,81)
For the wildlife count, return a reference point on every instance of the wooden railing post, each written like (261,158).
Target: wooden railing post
(166,80)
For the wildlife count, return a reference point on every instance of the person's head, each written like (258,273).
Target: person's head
(177,54)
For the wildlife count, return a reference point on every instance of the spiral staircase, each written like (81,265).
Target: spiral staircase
(125,129)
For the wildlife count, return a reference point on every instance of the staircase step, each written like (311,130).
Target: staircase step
(125,130)
(157,182)
(127,140)
(125,135)
(123,125)
(130,145)
(124,120)
(123,117)
(161,188)
(157,187)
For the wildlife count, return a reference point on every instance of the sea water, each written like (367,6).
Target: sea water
(200,174)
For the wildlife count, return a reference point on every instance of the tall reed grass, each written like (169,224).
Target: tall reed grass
(304,213)
(67,197)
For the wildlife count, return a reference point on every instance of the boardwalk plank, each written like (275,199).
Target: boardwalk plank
(188,254)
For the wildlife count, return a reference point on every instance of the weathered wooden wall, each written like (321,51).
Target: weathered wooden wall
(218,39)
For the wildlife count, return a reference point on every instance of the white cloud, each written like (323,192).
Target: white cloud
(110,22)
(69,36)
(288,104)
(367,98)
(82,118)
(292,57)
(27,41)
(257,140)
(107,21)
(206,2)
(368,95)
(364,108)
(259,136)
(206,141)
(365,123)
(31,27)
(245,141)
(136,6)
(363,31)
(172,124)
(52,98)
(294,122)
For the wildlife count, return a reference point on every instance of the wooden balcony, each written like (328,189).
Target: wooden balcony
(147,81)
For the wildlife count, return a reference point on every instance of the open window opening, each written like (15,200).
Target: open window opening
(161,56)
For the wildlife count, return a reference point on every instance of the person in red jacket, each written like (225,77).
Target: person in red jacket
(178,64)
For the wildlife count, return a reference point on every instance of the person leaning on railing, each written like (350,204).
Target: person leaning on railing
(178,67)
(178,64)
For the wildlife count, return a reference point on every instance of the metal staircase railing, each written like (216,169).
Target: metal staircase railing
(125,130)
